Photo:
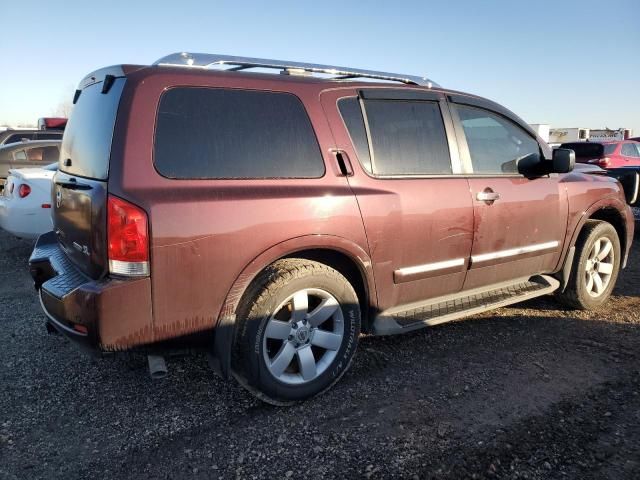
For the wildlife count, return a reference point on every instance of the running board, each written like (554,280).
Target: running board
(452,307)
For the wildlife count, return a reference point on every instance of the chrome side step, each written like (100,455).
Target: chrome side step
(452,307)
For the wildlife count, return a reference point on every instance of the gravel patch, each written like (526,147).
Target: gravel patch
(527,392)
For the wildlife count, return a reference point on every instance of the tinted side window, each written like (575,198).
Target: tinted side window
(407,138)
(352,116)
(609,148)
(221,133)
(49,136)
(629,150)
(20,156)
(496,145)
(48,154)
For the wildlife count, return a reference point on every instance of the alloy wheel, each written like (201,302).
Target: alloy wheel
(303,336)
(599,267)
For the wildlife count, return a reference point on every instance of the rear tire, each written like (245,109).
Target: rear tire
(297,331)
(595,267)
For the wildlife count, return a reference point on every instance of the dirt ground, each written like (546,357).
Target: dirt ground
(531,391)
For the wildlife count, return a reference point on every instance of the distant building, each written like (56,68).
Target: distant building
(608,134)
(563,135)
(542,129)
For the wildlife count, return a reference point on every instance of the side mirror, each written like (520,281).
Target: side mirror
(564,160)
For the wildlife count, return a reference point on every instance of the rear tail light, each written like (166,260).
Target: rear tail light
(24,190)
(604,162)
(128,238)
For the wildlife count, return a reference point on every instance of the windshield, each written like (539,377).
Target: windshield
(86,144)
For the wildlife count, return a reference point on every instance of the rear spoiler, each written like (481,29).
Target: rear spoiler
(629,178)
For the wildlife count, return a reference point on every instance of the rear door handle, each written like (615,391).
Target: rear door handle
(487,195)
(343,163)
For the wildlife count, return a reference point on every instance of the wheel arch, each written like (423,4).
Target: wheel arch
(613,216)
(608,209)
(345,256)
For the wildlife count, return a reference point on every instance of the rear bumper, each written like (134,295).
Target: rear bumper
(105,314)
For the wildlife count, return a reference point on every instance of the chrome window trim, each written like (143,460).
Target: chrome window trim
(512,252)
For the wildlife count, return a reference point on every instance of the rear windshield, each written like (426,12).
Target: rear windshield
(86,144)
(585,149)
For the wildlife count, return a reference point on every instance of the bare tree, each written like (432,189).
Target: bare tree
(65,105)
(63,109)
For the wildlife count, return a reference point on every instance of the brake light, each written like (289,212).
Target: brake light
(24,190)
(604,162)
(128,239)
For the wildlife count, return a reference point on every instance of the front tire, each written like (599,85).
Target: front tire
(595,267)
(298,328)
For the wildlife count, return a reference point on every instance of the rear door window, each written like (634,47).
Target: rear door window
(407,138)
(352,117)
(496,145)
(206,133)
(629,150)
(86,144)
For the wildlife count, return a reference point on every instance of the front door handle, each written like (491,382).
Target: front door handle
(487,195)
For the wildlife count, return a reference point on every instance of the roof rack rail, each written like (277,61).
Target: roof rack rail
(208,60)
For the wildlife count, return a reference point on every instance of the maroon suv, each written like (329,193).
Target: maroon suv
(273,218)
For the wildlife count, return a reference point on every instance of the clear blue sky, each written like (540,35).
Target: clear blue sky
(567,63)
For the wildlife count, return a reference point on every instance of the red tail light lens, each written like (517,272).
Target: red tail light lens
(127,234)
(604,162)
(24,190)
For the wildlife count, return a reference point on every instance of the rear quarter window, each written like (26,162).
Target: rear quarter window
(207,133)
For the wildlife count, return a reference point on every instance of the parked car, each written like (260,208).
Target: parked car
(21,135)
(25,205)
(606,154)
(273,218)
(38,153)
(52,123)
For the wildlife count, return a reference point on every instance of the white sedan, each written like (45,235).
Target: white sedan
(25,203)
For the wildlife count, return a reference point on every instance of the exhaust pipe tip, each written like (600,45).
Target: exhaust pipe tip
(157,367)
